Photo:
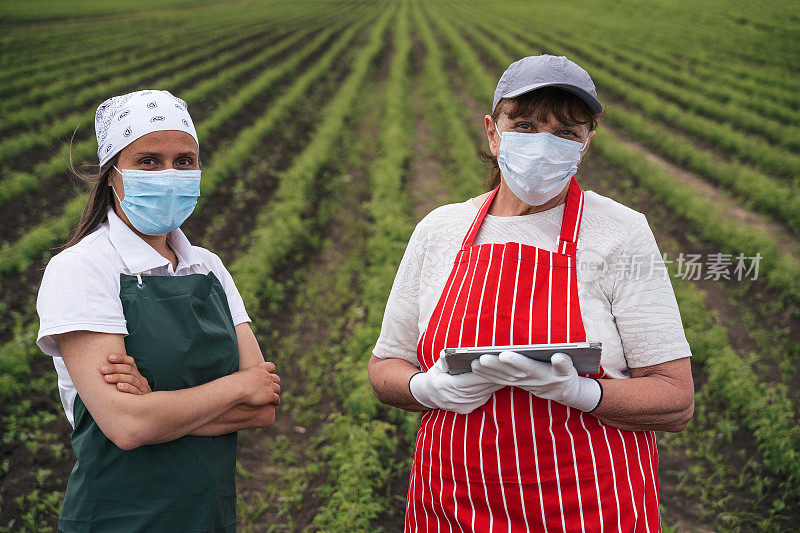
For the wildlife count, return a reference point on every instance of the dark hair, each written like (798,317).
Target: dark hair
(563,105)
(100,198)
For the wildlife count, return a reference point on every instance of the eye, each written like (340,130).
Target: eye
(524,126)
(147,161)
(185,162)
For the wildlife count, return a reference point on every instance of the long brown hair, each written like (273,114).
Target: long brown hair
(564,105)
(95,212)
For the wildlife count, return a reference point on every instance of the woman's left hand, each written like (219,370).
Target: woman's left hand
(121,370)
(556,380)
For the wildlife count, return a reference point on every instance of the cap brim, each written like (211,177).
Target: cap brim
(594,104)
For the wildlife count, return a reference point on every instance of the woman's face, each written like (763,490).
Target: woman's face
(573,132)
(158,150)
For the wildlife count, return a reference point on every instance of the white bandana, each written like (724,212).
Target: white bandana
(120,120)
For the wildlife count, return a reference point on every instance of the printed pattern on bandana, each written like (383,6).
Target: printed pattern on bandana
(120,120)
(519,462)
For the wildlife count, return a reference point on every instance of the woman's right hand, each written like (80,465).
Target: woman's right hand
(461,393)
(122,372)
(261,385)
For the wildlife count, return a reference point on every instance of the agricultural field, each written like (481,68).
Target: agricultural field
(328,129)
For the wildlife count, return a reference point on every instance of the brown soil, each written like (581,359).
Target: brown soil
(426,184)
(23,463)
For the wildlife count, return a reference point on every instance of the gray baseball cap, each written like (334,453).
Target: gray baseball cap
(534,72)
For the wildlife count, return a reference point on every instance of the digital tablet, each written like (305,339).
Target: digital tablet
(585,355)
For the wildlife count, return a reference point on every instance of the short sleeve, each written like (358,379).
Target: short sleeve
(400,326)
(235,303)
(77,294)
(643,303)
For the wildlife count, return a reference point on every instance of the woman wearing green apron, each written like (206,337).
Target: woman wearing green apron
(157,365)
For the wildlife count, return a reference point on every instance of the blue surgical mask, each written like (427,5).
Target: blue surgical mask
(537,166)
(158,201)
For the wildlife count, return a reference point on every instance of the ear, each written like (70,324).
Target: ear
(491,134)
(111,175)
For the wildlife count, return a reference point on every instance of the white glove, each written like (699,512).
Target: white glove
(463,393)
(558,381)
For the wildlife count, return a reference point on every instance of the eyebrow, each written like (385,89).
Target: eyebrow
(159,154)
(537,122)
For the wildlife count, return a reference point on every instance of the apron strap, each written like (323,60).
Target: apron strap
(476,224)
(571,223)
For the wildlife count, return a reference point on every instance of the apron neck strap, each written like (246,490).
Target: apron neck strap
(476,224)
(571,223)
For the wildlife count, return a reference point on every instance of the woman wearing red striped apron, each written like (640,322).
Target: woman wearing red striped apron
(517,444)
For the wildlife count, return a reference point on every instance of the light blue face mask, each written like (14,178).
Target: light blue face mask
(158,201)
(537,166)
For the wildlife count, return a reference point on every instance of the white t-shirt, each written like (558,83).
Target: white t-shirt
(628,304)
(80,287)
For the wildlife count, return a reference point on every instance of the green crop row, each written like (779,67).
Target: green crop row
(270,77)
(28,74)
(748,79)
(743,80)
(229,159)
(757,190)
(165,61)
(754,59)
(152,53)
(686,92)
(776,440)
(19,255)
(757,89)
(40,67)
(63,127)
(461,156)
(765,409)
(728,99)
(759,153)
(119,56)
(363,439)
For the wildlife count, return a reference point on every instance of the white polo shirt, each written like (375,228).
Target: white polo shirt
(80,287)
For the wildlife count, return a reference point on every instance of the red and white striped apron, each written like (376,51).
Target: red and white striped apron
(522,463)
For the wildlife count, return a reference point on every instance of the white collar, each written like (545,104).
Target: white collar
(139,256)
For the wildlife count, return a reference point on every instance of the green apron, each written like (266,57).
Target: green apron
(181,334)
